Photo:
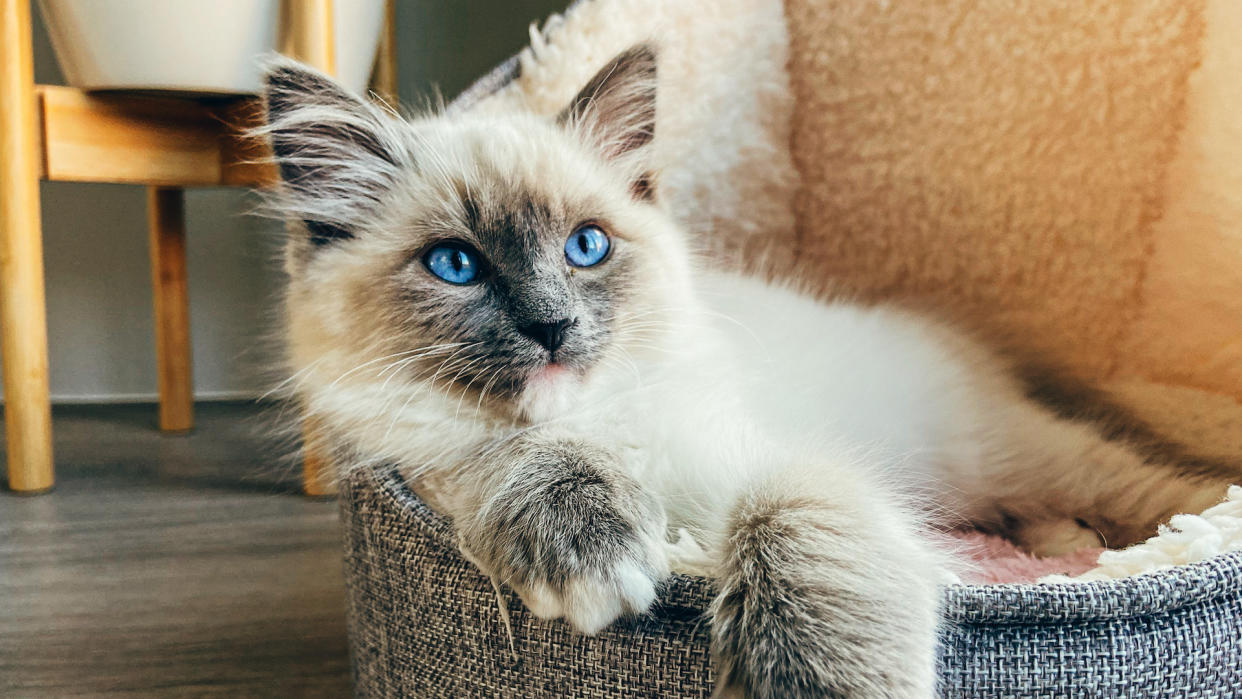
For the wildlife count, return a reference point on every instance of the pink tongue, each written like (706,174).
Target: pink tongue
(999,561)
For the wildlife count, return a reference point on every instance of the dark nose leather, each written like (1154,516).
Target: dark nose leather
(550,335)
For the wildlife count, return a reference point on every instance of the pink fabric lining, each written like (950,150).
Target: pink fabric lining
(998,561)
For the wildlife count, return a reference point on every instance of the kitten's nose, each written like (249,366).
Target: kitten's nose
(550,335)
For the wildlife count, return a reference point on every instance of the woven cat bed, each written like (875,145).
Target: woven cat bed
(424,622)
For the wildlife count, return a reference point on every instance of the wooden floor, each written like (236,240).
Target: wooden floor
(170,566)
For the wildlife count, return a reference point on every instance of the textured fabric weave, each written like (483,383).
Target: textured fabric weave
(424,622)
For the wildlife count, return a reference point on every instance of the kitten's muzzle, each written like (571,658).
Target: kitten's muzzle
(550,335)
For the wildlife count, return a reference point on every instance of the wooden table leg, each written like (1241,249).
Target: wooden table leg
(166,226)
(384,73)
(314,42)
(312,32)
(23,312)
(318,476)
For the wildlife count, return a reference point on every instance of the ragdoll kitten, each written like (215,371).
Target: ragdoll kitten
(500,305)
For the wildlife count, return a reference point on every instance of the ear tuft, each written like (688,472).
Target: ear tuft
(643,187)
(617,108)
(337,154)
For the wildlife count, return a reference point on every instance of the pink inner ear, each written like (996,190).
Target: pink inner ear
(999,561)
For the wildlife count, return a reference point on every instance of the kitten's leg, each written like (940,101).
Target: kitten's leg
(1059,485)
(825,591)
(569,531)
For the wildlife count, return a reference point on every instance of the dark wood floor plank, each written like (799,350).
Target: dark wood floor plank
(170,566)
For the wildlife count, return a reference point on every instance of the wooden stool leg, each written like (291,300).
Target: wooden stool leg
(384,73)
(318,477)
(23,312)
(312,32)
(314,42)
(166,226)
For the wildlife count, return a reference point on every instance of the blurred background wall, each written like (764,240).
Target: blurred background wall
(98,288)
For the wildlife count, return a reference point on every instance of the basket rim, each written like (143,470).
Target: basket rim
(1159,592)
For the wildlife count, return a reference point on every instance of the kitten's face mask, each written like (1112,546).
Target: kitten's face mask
(499,258)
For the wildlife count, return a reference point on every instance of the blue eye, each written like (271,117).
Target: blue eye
(453,263)
(587,246)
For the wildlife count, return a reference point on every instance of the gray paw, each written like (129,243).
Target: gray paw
(807,610)
(790,643)
(572,537)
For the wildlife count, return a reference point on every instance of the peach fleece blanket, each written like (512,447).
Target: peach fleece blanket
(1064,175)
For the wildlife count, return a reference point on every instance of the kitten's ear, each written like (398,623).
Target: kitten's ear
(337,154)
(617,108)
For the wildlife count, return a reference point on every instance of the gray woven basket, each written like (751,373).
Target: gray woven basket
(423,622)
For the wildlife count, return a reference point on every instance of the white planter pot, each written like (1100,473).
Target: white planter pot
(207,46)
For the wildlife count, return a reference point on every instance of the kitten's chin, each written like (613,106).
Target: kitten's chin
(549,393)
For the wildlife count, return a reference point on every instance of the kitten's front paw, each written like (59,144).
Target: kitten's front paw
(807,609)
(592,600)
(574,540)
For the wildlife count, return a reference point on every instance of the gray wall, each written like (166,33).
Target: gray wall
(99,298)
